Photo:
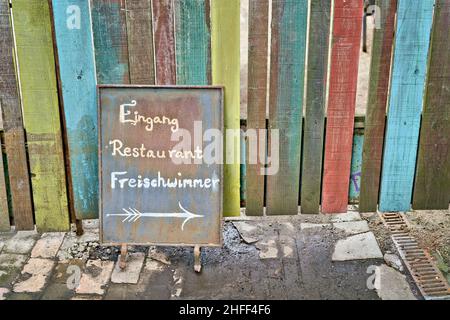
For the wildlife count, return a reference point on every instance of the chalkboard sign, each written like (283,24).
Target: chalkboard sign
(160,168)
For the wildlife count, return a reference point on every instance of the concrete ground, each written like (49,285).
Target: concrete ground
(301,257)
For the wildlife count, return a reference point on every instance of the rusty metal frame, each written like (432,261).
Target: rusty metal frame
(100,176)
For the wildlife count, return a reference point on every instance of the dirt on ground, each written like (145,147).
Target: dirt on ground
(381,232)
(432,231)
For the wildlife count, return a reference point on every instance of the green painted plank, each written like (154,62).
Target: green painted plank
(258,42)
(316,83)
(193,42)
(140,41)
(36,63)
(14,134)
(432,187)
(288,51)
(110,41)
(380,71)
(225,53)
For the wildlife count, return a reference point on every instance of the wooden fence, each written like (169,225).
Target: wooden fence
(302,75)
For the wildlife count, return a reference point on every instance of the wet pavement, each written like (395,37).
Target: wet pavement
(262,258)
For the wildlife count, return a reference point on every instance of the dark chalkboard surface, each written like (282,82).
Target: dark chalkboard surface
(158,184)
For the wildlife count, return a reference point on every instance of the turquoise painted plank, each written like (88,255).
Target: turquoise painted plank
(412,43)
(193,42)
(288,43)
(110,41)
(355,175)
(74,41)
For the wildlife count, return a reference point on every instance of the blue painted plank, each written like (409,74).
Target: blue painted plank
(73,34)
(412,43)
(355,176)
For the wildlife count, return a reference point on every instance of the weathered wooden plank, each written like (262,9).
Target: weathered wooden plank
(164,38)
(414,21)
(4,208)
(193,42)
(288,51)
(1,117)
(140,41)
(243,169)
(73,35)
(347,27)
(258,42)
(225,53)
(19,179)
(316,83)
(380,70)
(36,61)
(432,187)
(110,41)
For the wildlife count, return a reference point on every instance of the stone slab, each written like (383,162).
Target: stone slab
(96,275)
(346,217)
(393,285)
(357,247)
(21,243)
(353,227)
(37,271)
(131,273)
(48,245)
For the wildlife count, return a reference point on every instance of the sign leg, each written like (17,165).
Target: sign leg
(79,227)
(197,259)
(123,256)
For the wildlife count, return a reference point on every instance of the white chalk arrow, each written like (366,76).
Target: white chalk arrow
(132,215)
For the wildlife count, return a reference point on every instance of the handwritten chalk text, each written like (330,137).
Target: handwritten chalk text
(119,180)
(134,118)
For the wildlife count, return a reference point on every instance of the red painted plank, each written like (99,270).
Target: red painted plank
(164,36)
(347,27)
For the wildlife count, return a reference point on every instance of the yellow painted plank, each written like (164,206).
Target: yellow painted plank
(37,78)
(225,52)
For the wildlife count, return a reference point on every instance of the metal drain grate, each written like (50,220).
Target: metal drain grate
(394,222)
(421,266)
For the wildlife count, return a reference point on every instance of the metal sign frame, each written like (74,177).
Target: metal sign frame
(100,165)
